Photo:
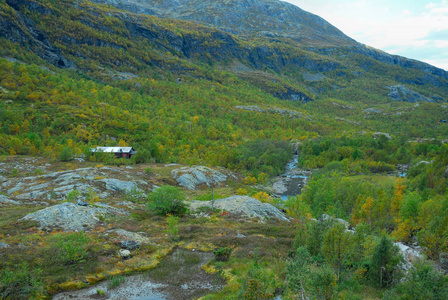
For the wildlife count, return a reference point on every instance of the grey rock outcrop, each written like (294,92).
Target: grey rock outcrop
(129,245)
(401,93)
(285,112)
(192,177)
(377,135)
(21,29)
(373,111)
(410,254)
(243,205)
(87,181)
(6,200)
(131,236)
(119,185)
(70,217)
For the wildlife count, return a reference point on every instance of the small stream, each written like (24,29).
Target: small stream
(292,181)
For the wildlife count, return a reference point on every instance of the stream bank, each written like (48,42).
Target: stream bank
(291,183)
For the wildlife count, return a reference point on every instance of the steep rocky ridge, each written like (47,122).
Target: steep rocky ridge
(337,61)
(17,27)
(274,19)
(270,18)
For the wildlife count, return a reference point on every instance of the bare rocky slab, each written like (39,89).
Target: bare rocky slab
(68,216)
(193,177)
(242,205)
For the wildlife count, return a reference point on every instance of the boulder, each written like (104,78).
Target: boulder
(129,245)
(82,203)
(326,217)
(3,245)
(131,236)
(410,255)
(124,254)
(70,216)
(243,205)
(192,177)
(446,172)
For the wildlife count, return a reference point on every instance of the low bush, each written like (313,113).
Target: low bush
(167,200)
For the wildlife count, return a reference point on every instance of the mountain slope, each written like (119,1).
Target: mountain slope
(269,18)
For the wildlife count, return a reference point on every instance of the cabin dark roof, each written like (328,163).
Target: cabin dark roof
(114,149)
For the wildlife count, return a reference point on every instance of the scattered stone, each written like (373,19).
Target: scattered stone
(242,205)
(69,216)
(410,255)
(82,203)
(192,177)
(124,254)
(132,236)
(373,111)
(401,93)
(129,245)
(326,217)
(349,107)
(6,200)
(313,77)
(377,135)
(286,112)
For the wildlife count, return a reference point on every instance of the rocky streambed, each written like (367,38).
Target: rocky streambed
(292,181)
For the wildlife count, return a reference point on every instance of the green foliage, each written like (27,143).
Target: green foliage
(73,247)
(115,282)
(384,264)
(260,283)
(100,292)
(422,282)
(66,154)
(135,195)
(222,254)
(262,156)
(167,200)
(173,227)
(21,283)
(73,195)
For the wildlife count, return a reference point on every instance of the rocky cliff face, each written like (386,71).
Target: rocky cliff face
(269,18)
(321,48)
(18,28)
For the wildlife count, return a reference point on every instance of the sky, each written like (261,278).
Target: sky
(415,29)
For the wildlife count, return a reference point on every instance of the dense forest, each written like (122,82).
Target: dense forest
(377,163)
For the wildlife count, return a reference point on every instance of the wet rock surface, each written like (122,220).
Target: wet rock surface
(178,276)
(242,205)
(292,181)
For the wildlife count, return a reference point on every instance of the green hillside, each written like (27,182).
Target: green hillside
(370,127)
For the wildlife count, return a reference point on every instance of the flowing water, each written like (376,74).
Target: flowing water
(292,181)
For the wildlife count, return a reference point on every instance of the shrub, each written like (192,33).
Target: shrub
(222,254)
(173,228)
(73,247)
(21,283)
(115,282)
(167,200)
(66,154)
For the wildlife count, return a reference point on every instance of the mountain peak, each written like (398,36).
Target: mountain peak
(264,18)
